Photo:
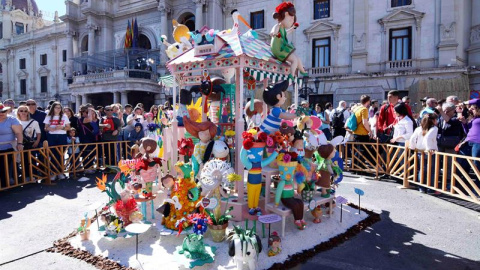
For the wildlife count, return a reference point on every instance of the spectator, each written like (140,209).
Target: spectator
(472,128)
(57,124)
(136,135)
(363,132)
(136,117)
(154,111)
(373,124)
(72,138)
(71,117)
(406,100)
(329,109)
(424,138)
(339,117)
(111,127)
(325,127)
(87,134)
(38,116)
(101,111)
(49,106)
(30,129)
(148,120)
(424,103)
(450,129)
(373,108)
(10,129)
(403,125)
(431,105)
(453,99)
(387,117)
(10,103)
(22,103)
(126,113)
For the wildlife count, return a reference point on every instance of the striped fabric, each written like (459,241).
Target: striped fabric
(259,75)
(167,81)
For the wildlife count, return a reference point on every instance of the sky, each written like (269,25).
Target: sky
(48,8)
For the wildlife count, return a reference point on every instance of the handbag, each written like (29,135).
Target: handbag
(27,140)
(385,138)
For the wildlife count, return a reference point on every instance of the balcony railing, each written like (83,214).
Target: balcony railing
(115,74)
(400,64)
(315,71)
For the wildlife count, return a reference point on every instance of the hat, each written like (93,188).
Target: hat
(424,99)
(149,114)
(304,102)
(138,125)
(3,108)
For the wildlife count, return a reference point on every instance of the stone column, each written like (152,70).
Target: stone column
(91,41)
(199,13)
(123,98)
(78,101)
(84,99)
(69,68)
(115,97)
(164,10)
(359,36)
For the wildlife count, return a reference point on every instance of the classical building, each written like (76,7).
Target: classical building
(350,47)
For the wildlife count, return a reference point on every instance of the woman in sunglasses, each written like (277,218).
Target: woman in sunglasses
(31,137)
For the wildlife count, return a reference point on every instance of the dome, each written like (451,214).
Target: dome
(23,5)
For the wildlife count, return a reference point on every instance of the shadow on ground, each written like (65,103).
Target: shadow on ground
(14,199)
(370,250)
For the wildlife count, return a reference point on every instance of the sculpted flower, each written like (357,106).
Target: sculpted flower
(287,158)
(248,144)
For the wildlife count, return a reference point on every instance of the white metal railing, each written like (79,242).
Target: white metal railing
(320,70)
(120,74)
(400,64)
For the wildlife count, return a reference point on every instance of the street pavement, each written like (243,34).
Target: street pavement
(417,231)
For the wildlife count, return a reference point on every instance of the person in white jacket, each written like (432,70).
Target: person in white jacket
(424,138)
(403,125)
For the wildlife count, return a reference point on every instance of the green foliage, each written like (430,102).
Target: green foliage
(245,235)
(222,219)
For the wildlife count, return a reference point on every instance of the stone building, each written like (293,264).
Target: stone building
(350,47)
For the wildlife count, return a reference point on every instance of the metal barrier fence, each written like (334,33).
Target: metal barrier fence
(30,166)
(450,174)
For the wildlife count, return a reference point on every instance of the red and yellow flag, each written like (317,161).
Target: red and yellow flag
(128,36)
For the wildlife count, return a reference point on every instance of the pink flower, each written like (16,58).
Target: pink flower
(270,141)
(287,158)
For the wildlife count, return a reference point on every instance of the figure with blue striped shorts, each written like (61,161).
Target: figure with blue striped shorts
(275,97)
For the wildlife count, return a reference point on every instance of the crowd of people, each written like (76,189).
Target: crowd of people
(448,125)
(26,126)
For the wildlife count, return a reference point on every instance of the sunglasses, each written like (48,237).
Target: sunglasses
(31,104)
(3,111)
(22,111)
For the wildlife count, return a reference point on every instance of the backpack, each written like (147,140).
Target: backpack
(351,123)
(338,119)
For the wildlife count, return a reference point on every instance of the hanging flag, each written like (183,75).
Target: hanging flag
(128,37)
(135,34)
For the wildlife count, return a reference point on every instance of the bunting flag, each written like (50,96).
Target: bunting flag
(135,33)
(128,37)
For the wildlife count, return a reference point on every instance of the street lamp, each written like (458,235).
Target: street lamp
(317,83)
(305,91)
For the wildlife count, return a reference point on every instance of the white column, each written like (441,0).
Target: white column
(199,13)
(239,128)
(84,99)
(69,69)
(115,97)
(78,102)
(91,41)
(174,154)
(123,98)
(164,31)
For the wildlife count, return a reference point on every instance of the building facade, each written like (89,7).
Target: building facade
(350,47)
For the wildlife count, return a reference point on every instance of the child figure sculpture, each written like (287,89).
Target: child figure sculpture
(282,49)
(287,163)
(205,132)
(275,97)
(251,155)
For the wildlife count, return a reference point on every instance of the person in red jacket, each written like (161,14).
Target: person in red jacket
(387,116)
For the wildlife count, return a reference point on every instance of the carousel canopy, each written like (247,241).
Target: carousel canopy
(254,54)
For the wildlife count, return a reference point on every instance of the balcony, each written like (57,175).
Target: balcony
(400,64)
(320,71)
(115,75)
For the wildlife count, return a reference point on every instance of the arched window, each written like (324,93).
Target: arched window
(144,42)
(188,19)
